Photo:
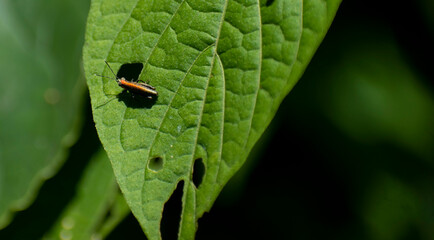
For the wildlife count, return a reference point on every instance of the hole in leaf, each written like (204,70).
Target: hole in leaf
(172,214)
(269,2)
(198,172)
(130,71)
(156,164)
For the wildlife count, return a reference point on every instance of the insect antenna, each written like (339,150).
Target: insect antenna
(104,76)
(110,69)
(115,78)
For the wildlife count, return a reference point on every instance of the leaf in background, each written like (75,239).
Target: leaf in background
(39,100)
(96,190)
(374,94)
(221,69)
(368,110)
(392,208)
(118,211)
(381,101)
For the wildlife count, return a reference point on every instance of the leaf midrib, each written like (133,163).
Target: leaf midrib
(215,55)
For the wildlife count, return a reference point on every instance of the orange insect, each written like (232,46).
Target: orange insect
(138,87)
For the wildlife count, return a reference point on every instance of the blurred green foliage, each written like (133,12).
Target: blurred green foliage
(383,110)
(40,45)
(349,155)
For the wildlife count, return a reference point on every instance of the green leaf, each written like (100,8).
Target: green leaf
(42,87)
(96,190)
(221,69)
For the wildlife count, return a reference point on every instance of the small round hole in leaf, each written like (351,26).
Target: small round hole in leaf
(156,163)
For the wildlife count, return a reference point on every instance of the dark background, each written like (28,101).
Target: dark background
(337,162)
(309,177)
